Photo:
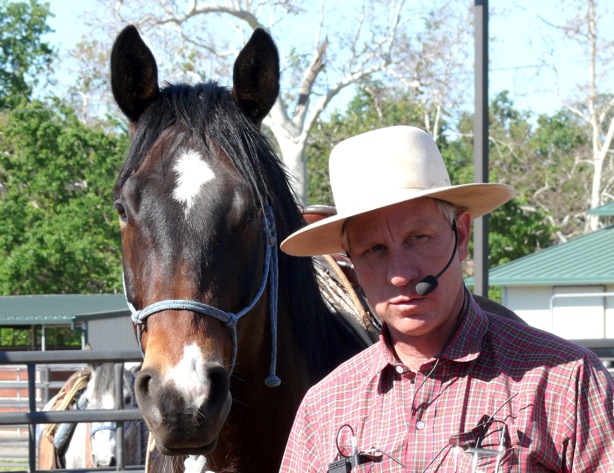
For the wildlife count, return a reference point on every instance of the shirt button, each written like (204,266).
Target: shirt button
(420,425)
(399,369)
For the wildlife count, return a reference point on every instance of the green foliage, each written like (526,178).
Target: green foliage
(545,160)
(22,338)
(23,53)
(58,229)
(515,231)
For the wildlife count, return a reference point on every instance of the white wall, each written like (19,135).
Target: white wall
(571,318)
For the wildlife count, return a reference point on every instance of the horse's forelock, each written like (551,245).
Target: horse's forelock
(104,376)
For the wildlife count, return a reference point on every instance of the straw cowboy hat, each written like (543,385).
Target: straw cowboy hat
(385,167)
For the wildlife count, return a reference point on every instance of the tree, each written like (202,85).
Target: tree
(542,159)
(588,34)
(319,58)
(432,67)
(23,53)
(58,228)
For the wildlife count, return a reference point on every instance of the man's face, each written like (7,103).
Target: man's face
(393,249)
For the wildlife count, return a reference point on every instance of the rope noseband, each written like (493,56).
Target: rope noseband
(270,275)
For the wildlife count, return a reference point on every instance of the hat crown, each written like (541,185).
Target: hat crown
(366,167)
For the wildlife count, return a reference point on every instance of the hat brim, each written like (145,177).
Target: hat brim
(325,237)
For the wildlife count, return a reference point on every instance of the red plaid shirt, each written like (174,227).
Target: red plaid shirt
(531,401)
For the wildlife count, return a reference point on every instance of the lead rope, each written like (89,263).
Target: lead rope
(151,446)
(272,381)
(192,464)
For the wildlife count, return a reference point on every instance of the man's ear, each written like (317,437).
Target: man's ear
(463,226)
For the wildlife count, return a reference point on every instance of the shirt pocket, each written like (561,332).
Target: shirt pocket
(491,446)
(481,460)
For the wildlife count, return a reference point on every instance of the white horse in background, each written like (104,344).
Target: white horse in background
(93,444)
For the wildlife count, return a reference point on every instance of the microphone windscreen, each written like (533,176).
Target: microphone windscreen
(427,285)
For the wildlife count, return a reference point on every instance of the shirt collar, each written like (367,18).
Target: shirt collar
(383,354)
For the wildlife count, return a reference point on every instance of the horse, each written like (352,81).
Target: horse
(93,444)
(233,332)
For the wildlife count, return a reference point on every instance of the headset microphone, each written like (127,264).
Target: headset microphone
(430,283)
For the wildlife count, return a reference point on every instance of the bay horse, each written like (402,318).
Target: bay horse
(232,331)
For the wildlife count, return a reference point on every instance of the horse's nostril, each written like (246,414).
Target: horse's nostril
(143,381)
(218,377)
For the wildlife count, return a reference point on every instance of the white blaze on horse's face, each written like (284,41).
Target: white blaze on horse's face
(192,172)
(189,375)
(102,434)
(103,443)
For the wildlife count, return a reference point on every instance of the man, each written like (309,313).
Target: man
(448,387)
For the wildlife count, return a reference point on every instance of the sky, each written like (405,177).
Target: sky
(520,41)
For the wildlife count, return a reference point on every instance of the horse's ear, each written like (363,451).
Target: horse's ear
(256,76)
(134,74)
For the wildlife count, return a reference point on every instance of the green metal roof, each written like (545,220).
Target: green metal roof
(607,209)
(588,259)
(60,309)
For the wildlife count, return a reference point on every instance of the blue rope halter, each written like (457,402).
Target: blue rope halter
(271,271)
(112,426)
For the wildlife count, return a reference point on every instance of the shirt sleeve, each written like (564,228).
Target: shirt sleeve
(302,452)
(592,442)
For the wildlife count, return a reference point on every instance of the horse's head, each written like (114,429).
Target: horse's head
(193,209)
(100,393)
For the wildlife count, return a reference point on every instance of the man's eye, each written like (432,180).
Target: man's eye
(376,249)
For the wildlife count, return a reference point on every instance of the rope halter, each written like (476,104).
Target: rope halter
(270,275)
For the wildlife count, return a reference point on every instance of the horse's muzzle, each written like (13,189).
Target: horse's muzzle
(180,422)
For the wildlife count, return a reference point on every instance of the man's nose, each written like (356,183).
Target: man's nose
(401,269)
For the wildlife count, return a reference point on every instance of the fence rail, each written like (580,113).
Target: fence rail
(33,416)
(604,348)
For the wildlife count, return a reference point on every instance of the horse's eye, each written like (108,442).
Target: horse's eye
(121,211)
(254,214)
(127,400)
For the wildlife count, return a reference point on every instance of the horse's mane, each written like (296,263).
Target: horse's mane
(208,113)
(105,375)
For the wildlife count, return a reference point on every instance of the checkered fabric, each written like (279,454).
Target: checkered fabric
(502,396)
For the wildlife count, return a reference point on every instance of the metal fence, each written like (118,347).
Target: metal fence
(604,348)
(40,361)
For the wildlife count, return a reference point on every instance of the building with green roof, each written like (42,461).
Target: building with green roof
(566,289)
(103,320)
